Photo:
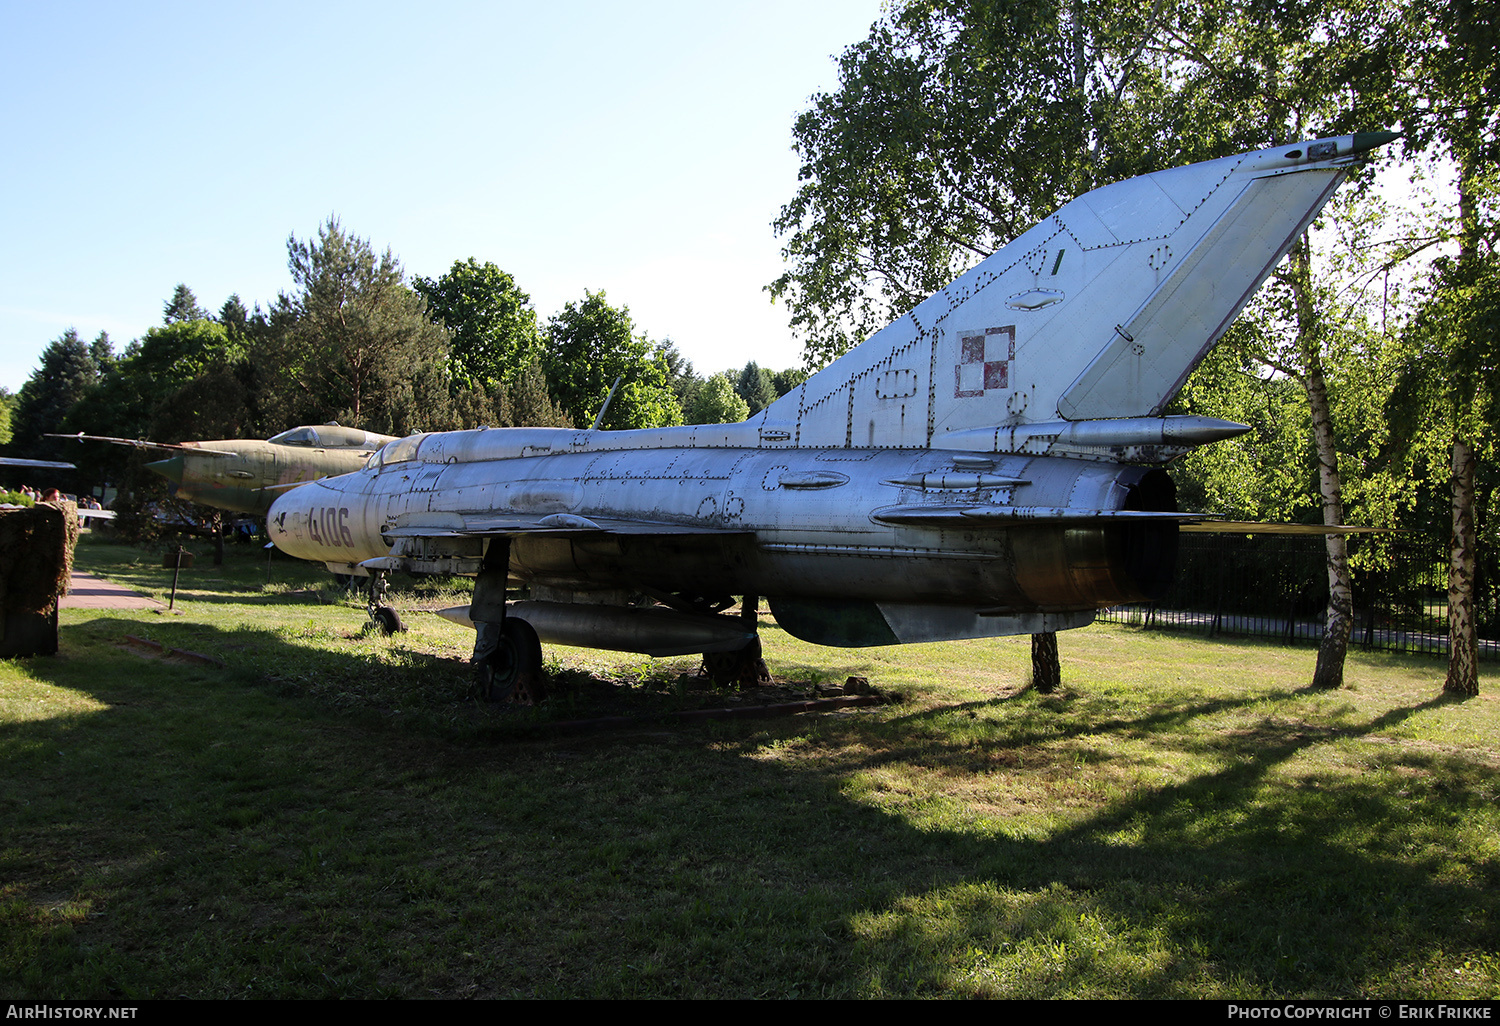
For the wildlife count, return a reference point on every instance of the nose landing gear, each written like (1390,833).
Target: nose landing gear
(385,617)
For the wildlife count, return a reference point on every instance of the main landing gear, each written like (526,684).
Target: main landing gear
(508,662)
(744,667)
(507,657)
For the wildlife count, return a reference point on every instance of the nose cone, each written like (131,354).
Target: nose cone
(171,469)
(281,508)
(296,522)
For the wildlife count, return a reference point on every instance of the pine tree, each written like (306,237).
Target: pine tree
(183,306)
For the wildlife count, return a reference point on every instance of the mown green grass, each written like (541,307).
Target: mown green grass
(332,815)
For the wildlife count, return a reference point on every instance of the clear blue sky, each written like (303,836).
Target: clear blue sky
(639,148)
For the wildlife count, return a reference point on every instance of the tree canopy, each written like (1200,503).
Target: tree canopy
(717,402)
(492,326)
(955,127)
(756,386)
(183,306)
(353,341)
(67,372)
(591,344)
(7,404)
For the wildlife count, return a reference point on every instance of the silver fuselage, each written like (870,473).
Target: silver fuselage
(774,522)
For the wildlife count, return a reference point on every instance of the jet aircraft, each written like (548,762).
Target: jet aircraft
(989,463)
(246,474)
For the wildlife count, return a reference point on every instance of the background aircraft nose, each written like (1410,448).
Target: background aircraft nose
(171,469)
(1369,140)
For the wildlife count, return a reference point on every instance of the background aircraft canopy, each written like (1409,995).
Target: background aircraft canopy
(330,436)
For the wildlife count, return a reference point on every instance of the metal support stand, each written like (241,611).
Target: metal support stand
(176,569)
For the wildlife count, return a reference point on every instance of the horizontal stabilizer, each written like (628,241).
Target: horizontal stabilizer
(9,461)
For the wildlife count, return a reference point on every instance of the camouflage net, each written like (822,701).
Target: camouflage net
(36,555)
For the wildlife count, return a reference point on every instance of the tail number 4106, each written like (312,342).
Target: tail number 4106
(329,525)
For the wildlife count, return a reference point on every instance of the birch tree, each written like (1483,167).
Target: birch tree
(958,125)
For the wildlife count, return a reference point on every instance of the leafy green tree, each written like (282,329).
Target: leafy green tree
(492,325)
(1448,377)
(103,353)
(523,403)
(1293,335)
(1282,73)
(170,356)
(1261,475)
(157,391)
(234,317)
(717,402)
(352,342)
(957,125)
(530,401)
(591,344)
(7,406)
(681,378)
(1450,112)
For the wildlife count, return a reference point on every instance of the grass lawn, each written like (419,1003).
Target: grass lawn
(330,814)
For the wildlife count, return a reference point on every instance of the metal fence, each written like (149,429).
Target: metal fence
(1276,586)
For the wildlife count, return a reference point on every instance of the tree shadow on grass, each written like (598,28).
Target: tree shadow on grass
(201,835)
(1244,881)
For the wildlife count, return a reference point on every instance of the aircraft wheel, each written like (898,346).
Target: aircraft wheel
(513,669)
(744,668)
(388,620)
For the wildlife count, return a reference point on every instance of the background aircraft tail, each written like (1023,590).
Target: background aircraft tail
(1100,312)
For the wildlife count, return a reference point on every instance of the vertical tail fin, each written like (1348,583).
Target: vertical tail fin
(1100,311)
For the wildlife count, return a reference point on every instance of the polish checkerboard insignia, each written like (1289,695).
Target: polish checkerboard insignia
(984,361)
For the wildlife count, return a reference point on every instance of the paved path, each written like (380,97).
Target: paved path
(86,591)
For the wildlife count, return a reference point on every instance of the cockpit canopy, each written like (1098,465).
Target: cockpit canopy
(398,450)
(329,436)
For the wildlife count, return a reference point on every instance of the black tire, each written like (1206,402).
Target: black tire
(513,672)
(744,668)
(388,620)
